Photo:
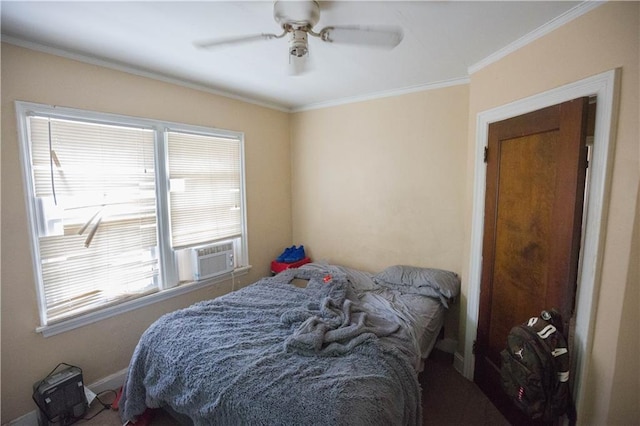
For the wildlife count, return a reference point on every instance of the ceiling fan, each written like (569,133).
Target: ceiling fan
(298,18)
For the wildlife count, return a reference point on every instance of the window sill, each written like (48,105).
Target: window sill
(70,324)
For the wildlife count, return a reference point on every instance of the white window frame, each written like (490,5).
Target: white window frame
(169,286)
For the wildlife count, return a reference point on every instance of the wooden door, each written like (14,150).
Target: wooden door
(536,166)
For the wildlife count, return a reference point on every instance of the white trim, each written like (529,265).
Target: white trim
(27,180)
(539,32)
(384,94)
(203,88)
(111,382)
(136,71)
(29,419)
(90,318)
(458,362)
(605,87)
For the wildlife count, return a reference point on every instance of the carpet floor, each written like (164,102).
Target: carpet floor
(447,399)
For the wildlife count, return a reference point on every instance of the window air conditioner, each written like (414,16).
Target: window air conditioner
(211,260)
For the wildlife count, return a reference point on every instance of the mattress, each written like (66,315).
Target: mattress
(344,349)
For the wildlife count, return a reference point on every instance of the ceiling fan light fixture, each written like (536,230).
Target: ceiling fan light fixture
(298,43)
(298,19)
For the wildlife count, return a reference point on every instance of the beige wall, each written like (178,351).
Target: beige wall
(381,182)
(603,39)
(625,393)
(105,347)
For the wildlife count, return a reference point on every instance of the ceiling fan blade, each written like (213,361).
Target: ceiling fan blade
(229,41)
(386,37)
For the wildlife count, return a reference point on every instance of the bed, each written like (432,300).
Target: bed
(345,348)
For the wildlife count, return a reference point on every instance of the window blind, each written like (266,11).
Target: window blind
(95,190)
(205,188)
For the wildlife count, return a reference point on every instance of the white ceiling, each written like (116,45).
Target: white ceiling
(442,39)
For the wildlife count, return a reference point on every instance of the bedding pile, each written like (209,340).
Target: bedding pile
(274,353)
(333,327)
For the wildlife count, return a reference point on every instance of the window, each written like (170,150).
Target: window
(114,201)
(205,183)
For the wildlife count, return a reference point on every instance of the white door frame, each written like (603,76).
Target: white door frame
(605,87)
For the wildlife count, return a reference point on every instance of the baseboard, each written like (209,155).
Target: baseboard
(458,362)
(29,419)
(111,382)
(447,345)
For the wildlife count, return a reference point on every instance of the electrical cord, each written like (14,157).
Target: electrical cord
(105,406)
(233,279)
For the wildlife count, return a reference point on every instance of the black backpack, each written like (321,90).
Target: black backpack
(535,368)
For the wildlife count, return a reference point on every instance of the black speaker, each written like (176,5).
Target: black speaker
(60,397)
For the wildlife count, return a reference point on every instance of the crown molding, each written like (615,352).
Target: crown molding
(384,94)
(203,88)
(539,32)
(136,71)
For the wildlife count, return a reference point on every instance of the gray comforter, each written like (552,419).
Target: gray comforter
(275,354)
